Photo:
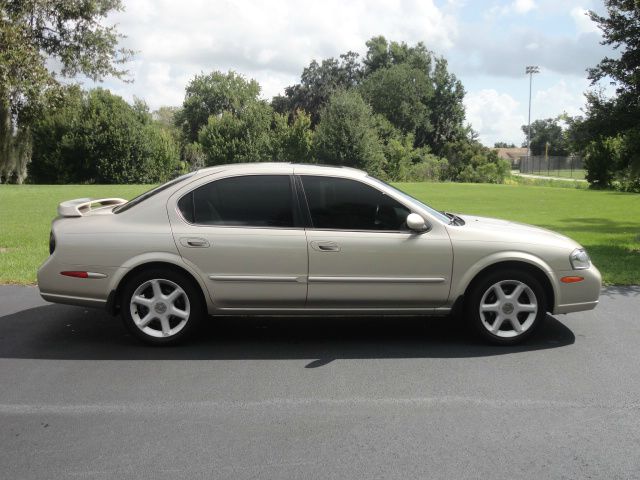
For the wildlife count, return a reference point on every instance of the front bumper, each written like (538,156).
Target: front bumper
(579,296)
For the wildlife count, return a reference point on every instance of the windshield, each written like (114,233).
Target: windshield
(439,215)
(151,193)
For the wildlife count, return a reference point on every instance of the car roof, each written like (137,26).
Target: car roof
(281,167)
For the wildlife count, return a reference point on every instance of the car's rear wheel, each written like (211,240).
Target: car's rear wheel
(506,307)
(161,307)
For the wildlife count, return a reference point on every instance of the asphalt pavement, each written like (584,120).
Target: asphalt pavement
(299,398)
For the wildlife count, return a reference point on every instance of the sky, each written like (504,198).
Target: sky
(488,44)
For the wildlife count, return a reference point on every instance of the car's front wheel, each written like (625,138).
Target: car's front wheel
(161,307)
(506,307)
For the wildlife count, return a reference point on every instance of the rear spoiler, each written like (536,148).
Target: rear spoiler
(82,206)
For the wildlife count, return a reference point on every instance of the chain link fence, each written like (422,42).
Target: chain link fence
(561,167)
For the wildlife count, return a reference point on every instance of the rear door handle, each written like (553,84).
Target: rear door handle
(193,242)
(325,246)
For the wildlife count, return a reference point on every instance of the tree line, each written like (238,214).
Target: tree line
(397,113)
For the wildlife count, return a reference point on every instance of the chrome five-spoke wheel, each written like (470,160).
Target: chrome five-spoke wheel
(160,308)
(508,308)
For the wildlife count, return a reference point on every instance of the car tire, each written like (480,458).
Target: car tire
(506,307)
(162,307)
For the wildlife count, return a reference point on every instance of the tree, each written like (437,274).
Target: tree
(414,89)
(504,145)
(400,93)
(383,54)
(213,94)
(240,136)
(33,35)
(96,137)
(446,108)
(346,134)
(317,82)
(600,158)
(547,132)
(615,122)
(292,142)
(620,29)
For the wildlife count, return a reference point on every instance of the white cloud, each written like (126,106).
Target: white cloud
(523,6)
(496,116)
(519,7)
(582,21)
(561,97)
(269,41)
(499,117)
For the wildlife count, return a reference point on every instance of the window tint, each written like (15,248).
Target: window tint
(344,204)
(250,201)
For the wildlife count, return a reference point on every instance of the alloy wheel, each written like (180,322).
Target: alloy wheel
(160,308)
(508,308)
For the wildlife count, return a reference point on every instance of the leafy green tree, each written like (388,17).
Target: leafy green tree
(415,91)
(400,93)
(547,131)
(600,158)
(33,35)
(97,137)
(446,109)
(469,161)
(243,136)
(292,142)
(317,82)
(346,134)
(610,131)
(213,94)
(383,54)
(504,145)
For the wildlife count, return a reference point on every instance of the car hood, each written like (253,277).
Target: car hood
(496,229)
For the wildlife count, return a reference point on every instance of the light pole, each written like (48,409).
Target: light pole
(530,70)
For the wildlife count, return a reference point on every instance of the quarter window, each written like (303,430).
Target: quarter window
(344,204)
(249,201)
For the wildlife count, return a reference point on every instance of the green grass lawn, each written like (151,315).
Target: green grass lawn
(606,223)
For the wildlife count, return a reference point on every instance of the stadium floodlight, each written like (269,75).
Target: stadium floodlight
(530,70)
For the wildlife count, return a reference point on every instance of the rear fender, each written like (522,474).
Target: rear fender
(160,257)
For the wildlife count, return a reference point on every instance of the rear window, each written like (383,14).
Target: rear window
(150,193)
(248,201)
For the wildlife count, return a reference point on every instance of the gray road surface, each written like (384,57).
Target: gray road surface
(310,398)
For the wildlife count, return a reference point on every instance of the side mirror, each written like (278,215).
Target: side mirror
(416,223)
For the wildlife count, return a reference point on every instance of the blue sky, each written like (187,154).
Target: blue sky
(487,43)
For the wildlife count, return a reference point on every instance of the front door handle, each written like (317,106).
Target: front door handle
(194,242)
(325,246)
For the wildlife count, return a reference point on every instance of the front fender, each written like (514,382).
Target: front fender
(466,276)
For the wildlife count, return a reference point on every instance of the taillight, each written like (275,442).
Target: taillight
(75,274)
(52,242)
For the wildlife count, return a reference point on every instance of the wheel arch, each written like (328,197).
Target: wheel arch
(113,302)
(533,268)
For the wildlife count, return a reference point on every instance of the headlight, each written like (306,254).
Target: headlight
(579,259)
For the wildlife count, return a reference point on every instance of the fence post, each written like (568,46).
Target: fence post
(571,162)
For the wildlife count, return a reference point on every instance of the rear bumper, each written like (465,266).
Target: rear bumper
(73,300)
(86,292)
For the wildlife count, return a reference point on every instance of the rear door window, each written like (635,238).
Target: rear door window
(246,201)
